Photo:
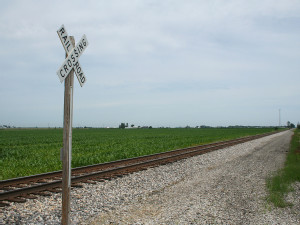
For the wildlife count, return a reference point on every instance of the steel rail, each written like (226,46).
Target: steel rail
(104,174)
(19,195)
(78,170)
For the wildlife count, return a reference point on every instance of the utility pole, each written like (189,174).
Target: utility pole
(279,118)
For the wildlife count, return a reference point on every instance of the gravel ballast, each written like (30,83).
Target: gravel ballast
(225,186)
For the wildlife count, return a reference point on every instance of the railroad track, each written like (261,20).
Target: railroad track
(20,189)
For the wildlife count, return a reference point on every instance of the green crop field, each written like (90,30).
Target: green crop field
(26,152)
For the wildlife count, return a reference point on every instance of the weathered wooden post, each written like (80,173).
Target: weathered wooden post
(66,72)
(67,148)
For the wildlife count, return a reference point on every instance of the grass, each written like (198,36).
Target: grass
(26,152)
(280,184)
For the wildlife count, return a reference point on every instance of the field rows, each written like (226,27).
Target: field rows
(26,152)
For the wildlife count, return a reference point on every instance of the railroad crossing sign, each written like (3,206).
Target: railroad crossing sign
(71,62)
(66,73)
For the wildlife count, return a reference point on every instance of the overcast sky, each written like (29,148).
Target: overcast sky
(159,63)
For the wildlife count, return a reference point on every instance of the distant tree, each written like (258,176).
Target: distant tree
(288,124)
(122,126)
(204,126)
(132,125)
(292,125)
(298,125)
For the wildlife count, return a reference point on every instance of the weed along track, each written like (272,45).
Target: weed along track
(20,189)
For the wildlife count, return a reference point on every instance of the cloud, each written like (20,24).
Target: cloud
(157,56)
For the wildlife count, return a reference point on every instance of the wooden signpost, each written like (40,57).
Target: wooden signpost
(66,73)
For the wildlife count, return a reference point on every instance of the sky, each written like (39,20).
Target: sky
(156,63)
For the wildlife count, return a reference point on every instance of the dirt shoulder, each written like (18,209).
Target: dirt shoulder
(230,189)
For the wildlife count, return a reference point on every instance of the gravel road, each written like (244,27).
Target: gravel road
(223,187)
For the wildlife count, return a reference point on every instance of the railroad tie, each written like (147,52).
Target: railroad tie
(43,193)
(16,199)
(3,204)
(30,196)
(55,190)
(77,185)
(90,182)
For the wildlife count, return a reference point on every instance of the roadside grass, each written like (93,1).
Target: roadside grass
(25,152)
(280,184)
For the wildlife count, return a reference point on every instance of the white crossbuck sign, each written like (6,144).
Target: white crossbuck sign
(73,55)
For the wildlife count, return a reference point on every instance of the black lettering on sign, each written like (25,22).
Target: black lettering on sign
(78,69)
(69,63)
(81,75)
(78,49)
(62,30)
(76,64)
(65,38)
(76,53)
(68,47)
(80,46)
(84,42)
(66,68)
(73,57)
(63,75)
(82,79)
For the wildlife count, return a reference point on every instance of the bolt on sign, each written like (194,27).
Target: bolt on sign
(73,55)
